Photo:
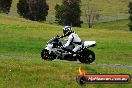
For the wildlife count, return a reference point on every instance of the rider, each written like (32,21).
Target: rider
(72,39)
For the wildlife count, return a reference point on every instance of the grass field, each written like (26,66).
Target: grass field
(21,42)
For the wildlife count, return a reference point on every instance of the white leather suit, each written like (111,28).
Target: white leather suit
(75,40)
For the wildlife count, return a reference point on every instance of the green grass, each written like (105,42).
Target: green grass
(21,42)
(43,74)
(113,25)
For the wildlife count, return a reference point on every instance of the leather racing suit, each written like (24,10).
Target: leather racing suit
(75,40)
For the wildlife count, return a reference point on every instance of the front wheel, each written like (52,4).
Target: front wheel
(46,56)
(87,56)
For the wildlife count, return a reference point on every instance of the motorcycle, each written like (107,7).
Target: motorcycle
(53,51)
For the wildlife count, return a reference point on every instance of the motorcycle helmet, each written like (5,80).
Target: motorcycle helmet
(67,30)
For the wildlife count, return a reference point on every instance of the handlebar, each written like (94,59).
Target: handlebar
(59,36)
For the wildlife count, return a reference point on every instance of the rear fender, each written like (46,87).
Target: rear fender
(88,44)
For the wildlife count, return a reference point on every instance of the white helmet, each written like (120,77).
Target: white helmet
(67,30)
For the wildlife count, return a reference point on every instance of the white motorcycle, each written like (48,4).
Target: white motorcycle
(53,51)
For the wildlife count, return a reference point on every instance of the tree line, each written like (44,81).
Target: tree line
(66,13)
(5,6)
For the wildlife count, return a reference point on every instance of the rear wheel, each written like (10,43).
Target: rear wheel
(46,56)
(87,56)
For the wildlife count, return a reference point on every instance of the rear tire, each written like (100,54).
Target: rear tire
(46,56)
(87,56)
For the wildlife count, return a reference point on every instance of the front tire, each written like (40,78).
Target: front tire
(46,56)
(87,56)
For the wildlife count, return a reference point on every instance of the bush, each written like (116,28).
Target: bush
(130,17)
(5,6)
(69,13)
(35,10)
(58,9)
